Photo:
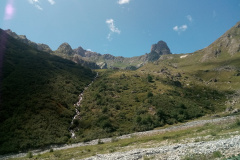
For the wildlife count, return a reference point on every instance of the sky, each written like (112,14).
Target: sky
(121,27)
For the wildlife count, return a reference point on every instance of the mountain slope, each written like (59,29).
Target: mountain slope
(173,89)
(38,91)
(227,45)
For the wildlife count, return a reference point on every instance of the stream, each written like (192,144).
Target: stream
(77,105)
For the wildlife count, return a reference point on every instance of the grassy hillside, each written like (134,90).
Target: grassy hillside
(38,91)
(173,89)
(120,102)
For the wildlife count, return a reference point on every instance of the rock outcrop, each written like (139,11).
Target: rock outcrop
(102,65)
(157,50)
(160,48)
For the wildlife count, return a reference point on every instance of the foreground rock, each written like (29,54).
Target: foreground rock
(175,152)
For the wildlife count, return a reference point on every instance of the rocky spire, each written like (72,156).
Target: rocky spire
(157,50)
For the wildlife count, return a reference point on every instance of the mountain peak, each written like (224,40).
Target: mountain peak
(161,48)
(65,48)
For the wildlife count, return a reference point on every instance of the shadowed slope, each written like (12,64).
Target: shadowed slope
(38,92)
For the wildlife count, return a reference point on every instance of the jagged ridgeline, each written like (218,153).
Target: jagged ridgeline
(38,91)
(95,60)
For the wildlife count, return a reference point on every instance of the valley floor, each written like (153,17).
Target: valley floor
(218,137)
(222,147)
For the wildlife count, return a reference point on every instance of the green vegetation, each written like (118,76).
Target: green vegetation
(38,91)
(214,155)
(234,157)
(225,130)
(120,102)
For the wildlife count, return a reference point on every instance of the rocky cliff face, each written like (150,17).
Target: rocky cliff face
(160,48)
(228,43)
(23,38)
(157,50)
(78,59)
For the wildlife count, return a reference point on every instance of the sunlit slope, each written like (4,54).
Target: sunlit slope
(120,102)
(38,91)
(173,89)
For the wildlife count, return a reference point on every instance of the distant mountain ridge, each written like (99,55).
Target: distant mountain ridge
(96,60)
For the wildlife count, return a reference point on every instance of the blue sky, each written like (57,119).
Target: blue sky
(121,27)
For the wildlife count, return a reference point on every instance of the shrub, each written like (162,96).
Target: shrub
(149,78)
(150,94)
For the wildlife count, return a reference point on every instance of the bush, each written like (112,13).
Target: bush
(150,94)
(149,78)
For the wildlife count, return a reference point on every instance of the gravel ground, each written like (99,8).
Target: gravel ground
(227,147)
(138,153)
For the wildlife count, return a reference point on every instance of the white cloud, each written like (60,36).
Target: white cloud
(89,50)
(52,2)
(189,17)
(36,3)
(180,28)
(38,7)
(112,27)
(123,1)
(33,1)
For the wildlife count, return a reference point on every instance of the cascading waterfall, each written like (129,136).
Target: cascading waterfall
(77,105)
